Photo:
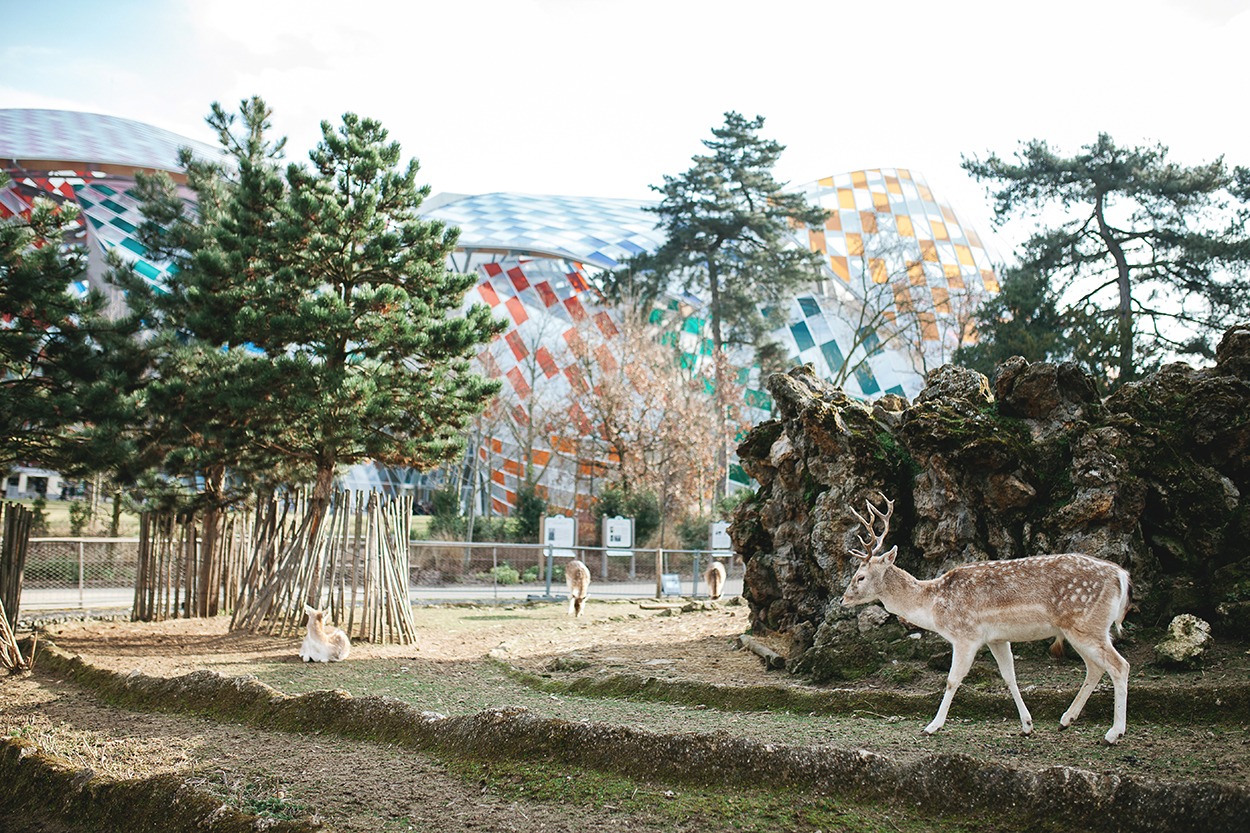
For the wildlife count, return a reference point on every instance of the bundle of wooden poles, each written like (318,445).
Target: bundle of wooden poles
(349,558)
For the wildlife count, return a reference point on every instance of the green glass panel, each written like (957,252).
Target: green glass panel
(136,247)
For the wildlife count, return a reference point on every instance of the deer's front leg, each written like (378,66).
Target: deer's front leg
(962,655)
(1007,667)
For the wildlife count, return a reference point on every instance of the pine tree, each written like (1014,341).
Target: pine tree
(65,366)
(312,322)
(728,228)
(1157,251)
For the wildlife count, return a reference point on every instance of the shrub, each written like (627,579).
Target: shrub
(505,574)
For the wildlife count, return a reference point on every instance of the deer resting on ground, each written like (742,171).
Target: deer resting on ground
(1071,596)
(577,575)
(322,644)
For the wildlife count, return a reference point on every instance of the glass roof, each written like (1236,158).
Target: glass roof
(63,135)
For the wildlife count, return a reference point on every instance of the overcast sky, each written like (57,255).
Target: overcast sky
(590,97)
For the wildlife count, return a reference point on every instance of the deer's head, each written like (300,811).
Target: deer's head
(865,585)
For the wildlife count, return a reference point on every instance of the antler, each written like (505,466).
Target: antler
(878,540)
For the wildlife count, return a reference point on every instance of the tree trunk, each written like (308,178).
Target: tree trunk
(206,603)
(1124,313)
(722,452)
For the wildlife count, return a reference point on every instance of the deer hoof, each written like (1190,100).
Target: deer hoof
(1111,737)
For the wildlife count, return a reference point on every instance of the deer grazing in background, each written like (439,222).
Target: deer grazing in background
(322,645)
(1071,596)
(577,575)
(715,576)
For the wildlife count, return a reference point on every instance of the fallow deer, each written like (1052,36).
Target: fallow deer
(322,644)
(577,575)
(1070,596)
(715,576)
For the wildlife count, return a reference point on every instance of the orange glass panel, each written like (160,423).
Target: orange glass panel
(834,221)
(973,238)
(876,268)
(939,230)
(839,267)
(949,215)
(902,296)
(903,173)
(825,182)
(964,254)
(941,300)
(859,179)
(904,226)
(880,201)
(916,276)
(928,251)
(816,240)
(854,245)
(954,278)
(928,326)
(868,220)
(892,185)
(990,280)
(925,193)
(846,198)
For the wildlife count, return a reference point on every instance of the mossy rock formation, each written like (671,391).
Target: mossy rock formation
(1153,477)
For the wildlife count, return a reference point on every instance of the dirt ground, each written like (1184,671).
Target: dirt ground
(354,785)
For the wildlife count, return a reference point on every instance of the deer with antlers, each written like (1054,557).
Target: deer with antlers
(1071,596)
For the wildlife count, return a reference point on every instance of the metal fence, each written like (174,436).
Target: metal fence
(439,563)
(93,572)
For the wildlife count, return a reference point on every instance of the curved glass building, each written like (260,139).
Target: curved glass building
(901,277)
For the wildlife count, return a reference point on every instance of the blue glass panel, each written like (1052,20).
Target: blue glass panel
(871,342)
(802,337)
(123,225)
(809,307)
(867,382)
(147,270)
(833,356)
(135,246)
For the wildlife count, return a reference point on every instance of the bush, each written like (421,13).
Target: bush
(79,516)
(643,507)
(536,573)
(39,521)
(505,574)
(530,509)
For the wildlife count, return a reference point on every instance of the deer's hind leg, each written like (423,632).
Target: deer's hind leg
(1099,655)
(1007,667)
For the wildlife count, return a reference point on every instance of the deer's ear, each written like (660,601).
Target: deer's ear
(889,556)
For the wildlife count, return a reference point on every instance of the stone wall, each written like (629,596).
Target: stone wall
(1153,477)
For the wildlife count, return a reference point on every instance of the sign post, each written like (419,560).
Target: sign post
(560,535)
(618,539)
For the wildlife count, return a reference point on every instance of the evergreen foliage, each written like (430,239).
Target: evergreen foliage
(728,235)
(311,322)
(65,364)
(1025,319)
(1146,250)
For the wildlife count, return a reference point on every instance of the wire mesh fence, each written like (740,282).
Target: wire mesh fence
(81,572)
